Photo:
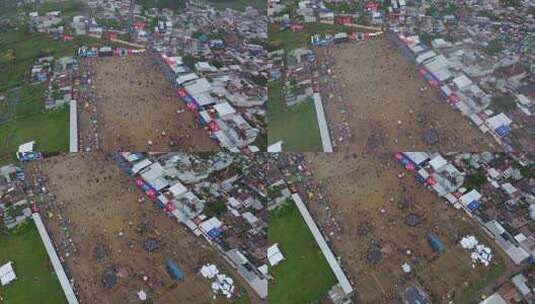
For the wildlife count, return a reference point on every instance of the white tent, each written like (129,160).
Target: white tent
(27,147)
(142,295)
(497,121)
(469,197)
(438,162)
(186,77)
(274,254)
(178,189)
(210,224)
(7,274)
(141,165)
(276,147)
(224,109)
(462,82)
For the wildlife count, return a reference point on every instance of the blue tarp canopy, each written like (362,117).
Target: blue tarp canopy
(502,131)
(430,76)
(160,203)
(188,99)
(420,178)
(201,120)
(474,205)
(174,271)
(215,232)
(435,243)
(30,156)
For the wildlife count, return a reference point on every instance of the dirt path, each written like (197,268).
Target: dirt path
(376,102)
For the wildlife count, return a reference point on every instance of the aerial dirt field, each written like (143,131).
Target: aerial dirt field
(376,101)
(136,110)
(365,210)
(99,221)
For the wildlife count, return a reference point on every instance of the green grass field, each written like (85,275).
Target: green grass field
(27,48)
(36,281)
(238,4)
(304,276)
(31,122)
(50,130)
(67,8)
(296,126)
(292,40)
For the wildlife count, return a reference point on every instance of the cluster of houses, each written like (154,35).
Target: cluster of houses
(516,290)
(14,208)
(58,75)
(41,70)
(81,26)
(497,190)
(297,74)
(481,63)
(60,84)
(444,71)
(218,66)
(215,59)
(310,11)
(220,197)
(66,28)
(317,12)
(113,9)
(352,14)
(50,23)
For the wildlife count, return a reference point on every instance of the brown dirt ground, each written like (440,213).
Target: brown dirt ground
(93,203)
(377,88)
(136,104)
(366,202)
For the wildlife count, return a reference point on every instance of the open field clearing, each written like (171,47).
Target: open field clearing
(101,225)
(137,110)
(296,126)
(377,221)
(36,281)
(386,105)
(304,276)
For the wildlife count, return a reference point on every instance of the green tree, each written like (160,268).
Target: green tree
(8,57)
(503,103)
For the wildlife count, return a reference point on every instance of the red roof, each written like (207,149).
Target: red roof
(181,92)
(139,25)
(170,207)
(213,126)
(372,6)
(454,98)
(150,193)
(422,71)
(296,27)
